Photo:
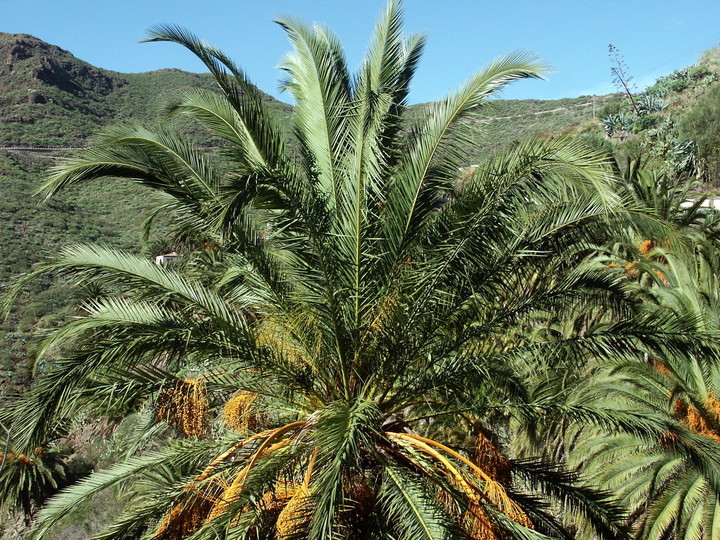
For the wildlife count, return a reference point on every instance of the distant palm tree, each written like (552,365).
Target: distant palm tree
(678,199)
(670,484)
(26,481)
(353,362)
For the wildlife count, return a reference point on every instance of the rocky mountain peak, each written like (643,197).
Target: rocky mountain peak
(34,64)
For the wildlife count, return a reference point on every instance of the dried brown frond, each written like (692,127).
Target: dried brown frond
(359,504)
(668,439)
(478,524)
(695,420)
(713,406)
(491,460)
(661,368)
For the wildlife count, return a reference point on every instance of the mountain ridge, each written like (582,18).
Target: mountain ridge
(49,97)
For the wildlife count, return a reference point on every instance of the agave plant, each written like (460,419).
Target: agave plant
(617,124)
(649,103)
(350,366)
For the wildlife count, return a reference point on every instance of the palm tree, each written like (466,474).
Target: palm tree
(351,365)
(669,484)
(28,480)
(676,198)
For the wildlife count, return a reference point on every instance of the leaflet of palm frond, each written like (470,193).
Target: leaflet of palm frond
(184,518)
(185,407)
(238,412)
(491,460)
(489,492)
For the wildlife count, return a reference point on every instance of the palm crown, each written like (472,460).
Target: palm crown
(363,318)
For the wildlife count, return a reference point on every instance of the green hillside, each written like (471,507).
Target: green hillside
(51,98)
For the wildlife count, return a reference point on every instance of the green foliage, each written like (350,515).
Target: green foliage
(672,117)
(112,213)
(698,72)
(612,107)
(683,79)
(401,331)
(702,126)
(27,480)
(669,481)
(645,122)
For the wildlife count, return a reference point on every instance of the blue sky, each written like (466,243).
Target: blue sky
(655,37)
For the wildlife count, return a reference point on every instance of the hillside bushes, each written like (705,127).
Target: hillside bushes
(702,126)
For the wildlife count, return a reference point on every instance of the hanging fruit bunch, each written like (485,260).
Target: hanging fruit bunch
(185,407)
(238,412)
